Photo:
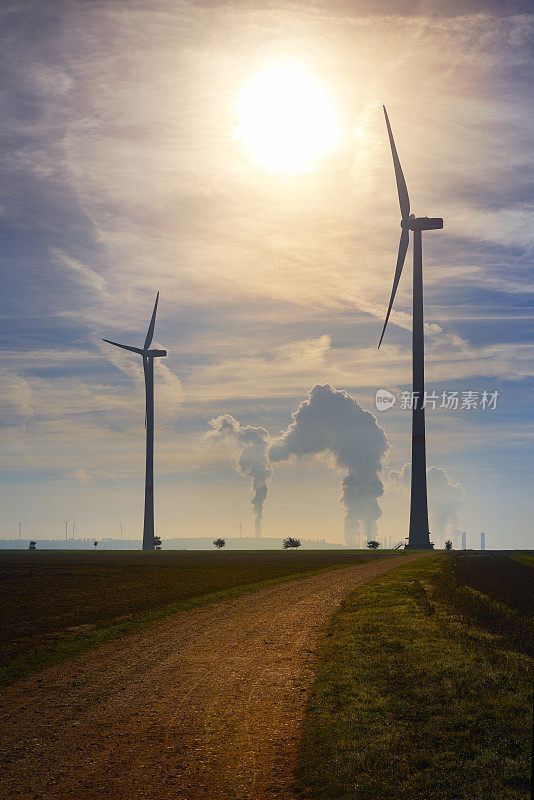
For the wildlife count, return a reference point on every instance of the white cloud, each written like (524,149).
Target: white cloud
(15,399)
(81,273)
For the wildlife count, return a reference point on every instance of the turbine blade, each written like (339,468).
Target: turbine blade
(125,346)
(403,247)
(150,332)
(404,200)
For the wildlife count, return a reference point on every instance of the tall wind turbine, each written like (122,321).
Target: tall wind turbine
(419,535)
(148,366)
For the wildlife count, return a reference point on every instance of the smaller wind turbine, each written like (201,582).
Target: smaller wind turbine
(148,367)
(20,524)
(67,528)
(74,528)
(121,527)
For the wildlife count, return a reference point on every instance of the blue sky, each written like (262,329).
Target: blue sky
(124,174)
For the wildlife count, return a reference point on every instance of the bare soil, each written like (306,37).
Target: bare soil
(205,705)
(49,595)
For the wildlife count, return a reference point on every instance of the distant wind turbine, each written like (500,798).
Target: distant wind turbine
(67,528)
(419,535)
(20,524)
(148,367)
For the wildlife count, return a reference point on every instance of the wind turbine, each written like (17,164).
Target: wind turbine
(148,367)
(419,536)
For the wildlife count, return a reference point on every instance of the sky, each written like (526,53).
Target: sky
(135,158)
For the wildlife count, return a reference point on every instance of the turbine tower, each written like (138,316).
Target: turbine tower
(419,536)
(148,367)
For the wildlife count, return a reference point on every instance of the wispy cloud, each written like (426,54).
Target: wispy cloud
(86,276)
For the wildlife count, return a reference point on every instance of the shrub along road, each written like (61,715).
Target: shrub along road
(206,704)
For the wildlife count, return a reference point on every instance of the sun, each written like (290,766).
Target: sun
(286,119)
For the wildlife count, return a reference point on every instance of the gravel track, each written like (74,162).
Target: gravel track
(205,705)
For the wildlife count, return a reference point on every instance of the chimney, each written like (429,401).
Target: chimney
(482,541)
(464,543)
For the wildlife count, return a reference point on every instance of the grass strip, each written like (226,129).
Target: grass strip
(24,665)
(497,617)
(411,702)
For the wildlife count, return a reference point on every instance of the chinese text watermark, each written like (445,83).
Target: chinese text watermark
(449,401)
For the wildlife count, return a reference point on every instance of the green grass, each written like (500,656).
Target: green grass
(61,604)
(411,702)
(524,558)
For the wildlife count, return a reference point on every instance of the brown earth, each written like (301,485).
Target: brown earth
(205,705)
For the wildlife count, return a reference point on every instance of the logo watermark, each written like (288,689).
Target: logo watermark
(384,400)
(449,401)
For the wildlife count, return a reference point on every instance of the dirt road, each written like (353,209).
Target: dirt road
(205,705)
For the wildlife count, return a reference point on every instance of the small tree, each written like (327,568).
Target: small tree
(290,542)
(32,546)
(219,543)
(448,545)
(374,545)
(95,543)
(157,542)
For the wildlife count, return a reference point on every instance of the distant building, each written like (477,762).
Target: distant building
(464,540)
(482,541)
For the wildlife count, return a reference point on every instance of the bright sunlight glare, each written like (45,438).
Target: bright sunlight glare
(286,119)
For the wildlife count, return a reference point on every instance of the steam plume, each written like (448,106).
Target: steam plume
(445,498)
(252,460)
(331,421)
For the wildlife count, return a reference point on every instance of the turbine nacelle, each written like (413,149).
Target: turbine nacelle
(414,223)
(144,351)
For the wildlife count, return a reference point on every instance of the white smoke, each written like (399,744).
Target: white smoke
(445,498)
(332,422)
(252,460)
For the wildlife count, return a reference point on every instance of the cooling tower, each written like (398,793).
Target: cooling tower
(350,534)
